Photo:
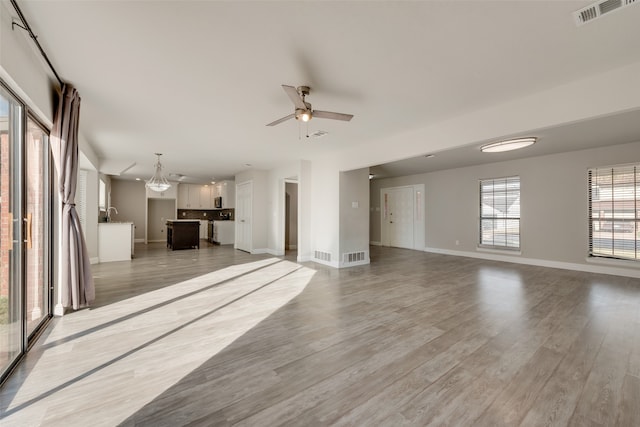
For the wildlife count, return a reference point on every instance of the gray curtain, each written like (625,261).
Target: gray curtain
(77,282)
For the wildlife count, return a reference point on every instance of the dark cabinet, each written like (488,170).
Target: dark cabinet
(183,234)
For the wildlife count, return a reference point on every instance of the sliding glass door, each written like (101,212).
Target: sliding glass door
(11,336)
(35,250)
(25,294)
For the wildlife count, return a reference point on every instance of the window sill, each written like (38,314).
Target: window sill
(613,262)
(499,251)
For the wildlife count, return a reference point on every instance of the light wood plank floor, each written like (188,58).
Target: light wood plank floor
(218,337)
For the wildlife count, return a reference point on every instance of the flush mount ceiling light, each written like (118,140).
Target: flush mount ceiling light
(158,182)
(508,145)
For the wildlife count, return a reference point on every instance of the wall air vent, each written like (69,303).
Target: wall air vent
(322,256)
(599,9)
(353,257)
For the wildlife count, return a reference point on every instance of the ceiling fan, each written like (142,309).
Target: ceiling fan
(303,110)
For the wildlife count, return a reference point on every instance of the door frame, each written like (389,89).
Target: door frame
(418,216)
(283,223)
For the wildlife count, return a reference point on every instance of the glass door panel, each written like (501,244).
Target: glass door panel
(36,276)
(11,315)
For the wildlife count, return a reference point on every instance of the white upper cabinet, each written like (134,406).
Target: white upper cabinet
(227,190)
(205,197)
(194,196)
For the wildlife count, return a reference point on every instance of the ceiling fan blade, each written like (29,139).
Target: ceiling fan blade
(294,96)
(332,115)
(284,119)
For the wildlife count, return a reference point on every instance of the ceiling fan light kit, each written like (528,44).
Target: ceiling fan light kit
(508,145)
(158,182)
(303,110)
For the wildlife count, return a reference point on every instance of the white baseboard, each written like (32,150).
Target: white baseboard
(375,243)
(274,252)
(156,241)
(138,241)
(58,310)
(259,251)
(354,264)
(94,260)
(334,264)
(601,269)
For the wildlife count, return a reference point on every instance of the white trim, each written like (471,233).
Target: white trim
(259,251)
(58,310)
(274,252)
(353,264)
(138,241)
(94,260)
(626,272)
(156,241)
(334,264)
(375,243)
(613,262)
(499,251)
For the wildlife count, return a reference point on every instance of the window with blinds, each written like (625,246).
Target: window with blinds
(614,212)
(500,213)
(81,198)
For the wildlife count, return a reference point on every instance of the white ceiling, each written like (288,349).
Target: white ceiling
(199,80)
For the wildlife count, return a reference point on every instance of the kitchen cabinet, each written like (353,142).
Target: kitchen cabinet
(115,241)
(183,234)
(227,190)
(223,232)
(204,229)
(205,197)
(194,196)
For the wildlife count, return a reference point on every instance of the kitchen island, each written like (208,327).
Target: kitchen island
(115,241)
(183,234)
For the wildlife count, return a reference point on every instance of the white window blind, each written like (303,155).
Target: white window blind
(614,212)
(500,213)
(81,198)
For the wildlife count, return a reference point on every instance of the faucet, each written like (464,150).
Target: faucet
(109,213)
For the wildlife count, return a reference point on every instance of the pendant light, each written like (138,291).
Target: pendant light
(158,182)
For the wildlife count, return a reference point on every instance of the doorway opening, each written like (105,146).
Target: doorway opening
(291,218)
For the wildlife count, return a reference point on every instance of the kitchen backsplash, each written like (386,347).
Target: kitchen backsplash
(207,215)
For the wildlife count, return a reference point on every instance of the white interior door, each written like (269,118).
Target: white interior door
(398,217)
(244,193)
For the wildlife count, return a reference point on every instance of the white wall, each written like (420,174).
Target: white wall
(354,213)
(24,70)
(325,211)
(129,197)
(554,206)
(91,228)
(304,211)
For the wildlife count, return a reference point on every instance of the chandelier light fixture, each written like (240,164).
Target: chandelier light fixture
(158,182)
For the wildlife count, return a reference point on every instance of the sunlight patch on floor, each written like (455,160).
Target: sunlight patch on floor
(92,359)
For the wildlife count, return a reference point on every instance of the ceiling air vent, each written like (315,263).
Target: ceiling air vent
(600,8)
(318,134)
